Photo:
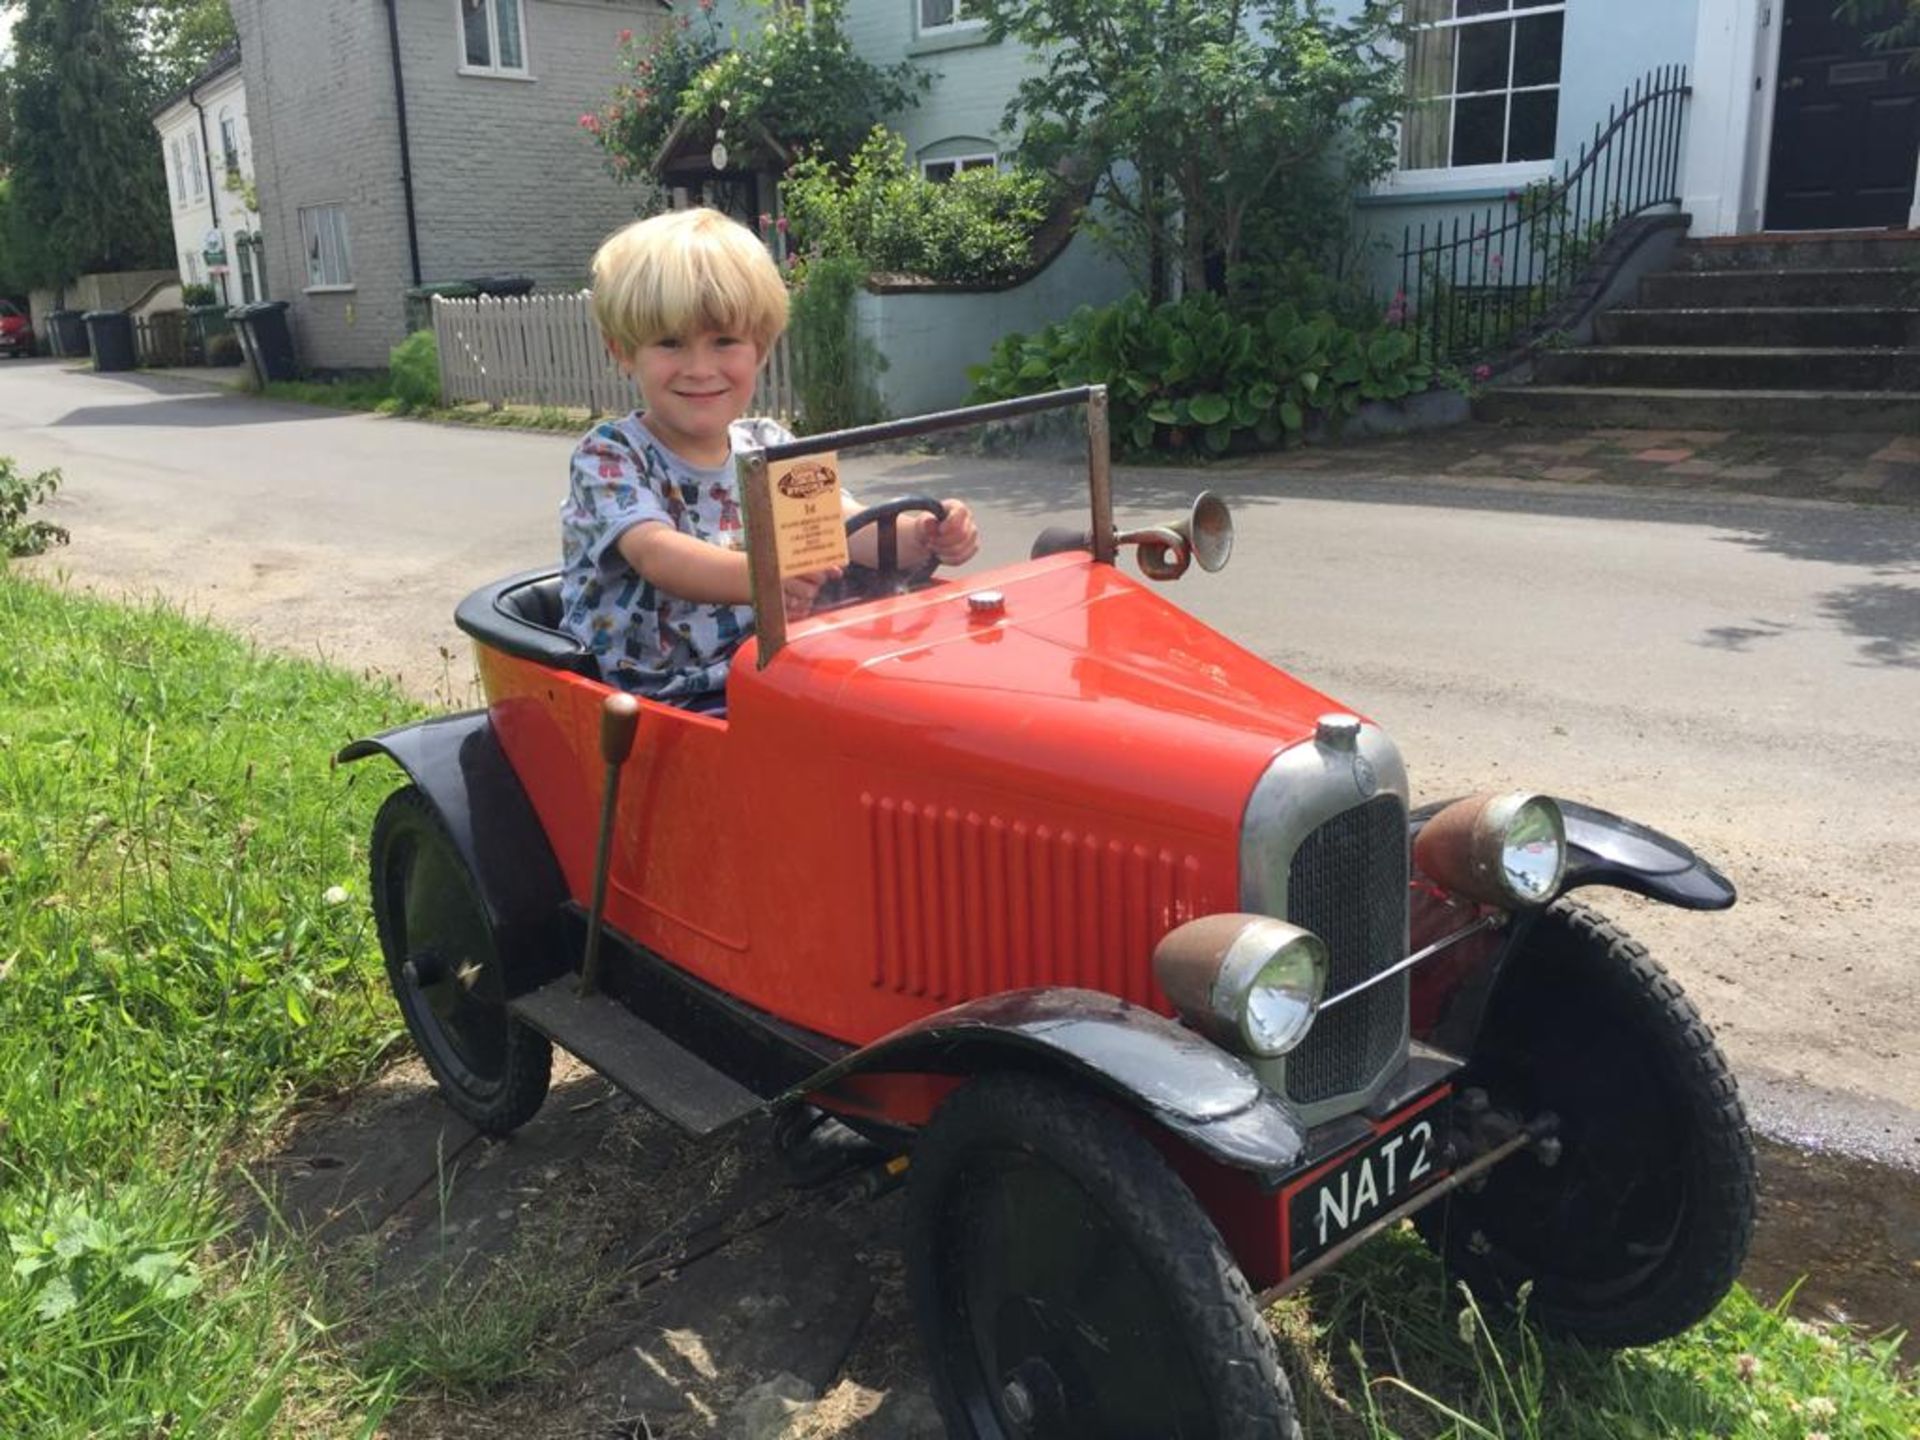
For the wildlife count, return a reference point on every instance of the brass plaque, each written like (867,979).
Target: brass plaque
(809,530)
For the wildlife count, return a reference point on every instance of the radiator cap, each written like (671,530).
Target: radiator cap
(1337,730)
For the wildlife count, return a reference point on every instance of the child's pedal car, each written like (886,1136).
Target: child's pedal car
(1127,939)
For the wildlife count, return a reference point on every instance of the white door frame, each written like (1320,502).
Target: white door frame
(1736,50)
(1729,143)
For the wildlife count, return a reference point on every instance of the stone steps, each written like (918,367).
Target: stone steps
(1813,332)
(1849,326)
(1649,408)
(1890,286)
(1835,250)
(1732,367)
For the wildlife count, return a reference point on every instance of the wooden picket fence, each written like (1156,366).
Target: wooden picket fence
(546,350)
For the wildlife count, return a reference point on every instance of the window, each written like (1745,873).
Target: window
(493,37)
(323,234)
(193,168)
(944,14)
(230,143)
(1484,80)
(945,169)
(178,150)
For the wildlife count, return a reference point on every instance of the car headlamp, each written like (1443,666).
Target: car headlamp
(1248,982)
(1503,850)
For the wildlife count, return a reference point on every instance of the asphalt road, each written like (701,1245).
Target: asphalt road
(1744,674)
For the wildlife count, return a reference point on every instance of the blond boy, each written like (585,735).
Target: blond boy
(655,567)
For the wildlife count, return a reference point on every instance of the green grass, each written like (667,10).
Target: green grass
(183,954)
(1384,1348)
(376,394)
(368,393)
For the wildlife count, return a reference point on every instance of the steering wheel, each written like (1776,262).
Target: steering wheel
(885,577)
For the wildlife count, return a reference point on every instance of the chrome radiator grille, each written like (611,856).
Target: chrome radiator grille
(1348,884)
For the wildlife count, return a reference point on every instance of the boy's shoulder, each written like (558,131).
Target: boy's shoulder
(761,430)
(612,436)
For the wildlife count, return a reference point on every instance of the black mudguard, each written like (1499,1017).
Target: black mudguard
(1154,1066)
(1606,849)
(458,764)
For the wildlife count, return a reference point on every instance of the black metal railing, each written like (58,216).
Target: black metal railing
(1479,286)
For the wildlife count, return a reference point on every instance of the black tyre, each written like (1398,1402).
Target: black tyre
(1641,1225)
(446,970)
(1067,1284)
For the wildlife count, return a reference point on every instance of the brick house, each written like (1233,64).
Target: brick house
(402,142)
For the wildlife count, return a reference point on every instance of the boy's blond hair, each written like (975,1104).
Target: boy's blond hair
(689,270)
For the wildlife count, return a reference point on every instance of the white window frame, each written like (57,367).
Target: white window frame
(493,70)
(974,160)
(960,21)
(229,142)
(1505,172)
(335,244)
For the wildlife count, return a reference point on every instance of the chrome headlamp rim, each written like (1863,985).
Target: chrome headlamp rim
(1507,850)
(1250,983)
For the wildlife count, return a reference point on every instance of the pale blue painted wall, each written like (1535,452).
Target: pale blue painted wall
(1607,46)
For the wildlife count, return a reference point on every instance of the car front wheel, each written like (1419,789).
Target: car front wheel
(1634,1224)
(446,970)
(1066,1283)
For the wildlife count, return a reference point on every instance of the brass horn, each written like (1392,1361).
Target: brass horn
(1204,533)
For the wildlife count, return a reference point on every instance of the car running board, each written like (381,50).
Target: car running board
(656,1071)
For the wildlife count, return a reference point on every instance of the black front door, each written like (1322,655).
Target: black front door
(1846,126)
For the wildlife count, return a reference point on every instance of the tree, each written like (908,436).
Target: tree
(1206,126)
(181,37)
(86,171)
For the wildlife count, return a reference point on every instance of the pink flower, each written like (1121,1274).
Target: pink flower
(626,37)
(1497,263)
(1483,372)
(590,124)
(781,224)
(766,223)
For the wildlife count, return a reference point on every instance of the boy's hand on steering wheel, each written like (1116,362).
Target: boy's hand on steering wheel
(954,540)
(798,592)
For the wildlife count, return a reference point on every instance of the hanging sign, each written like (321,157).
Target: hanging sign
(718,155)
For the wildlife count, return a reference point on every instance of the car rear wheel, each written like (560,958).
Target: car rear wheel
(1640,1224)
(1066,1283)
(446,971)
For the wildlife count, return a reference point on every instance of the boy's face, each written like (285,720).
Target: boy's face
(693,387)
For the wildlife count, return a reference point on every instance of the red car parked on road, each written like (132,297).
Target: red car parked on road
(16,330)
(1128,940)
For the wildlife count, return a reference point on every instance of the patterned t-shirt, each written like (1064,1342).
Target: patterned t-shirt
(646,640)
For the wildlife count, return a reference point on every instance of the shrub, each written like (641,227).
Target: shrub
(978,226)
(198,293)
(415,369)
(827,352)
(19,535)
(1194,374)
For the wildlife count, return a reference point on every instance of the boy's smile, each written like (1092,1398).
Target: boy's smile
(693,387)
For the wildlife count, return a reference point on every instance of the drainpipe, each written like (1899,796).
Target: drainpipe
(406,150)
(206,158)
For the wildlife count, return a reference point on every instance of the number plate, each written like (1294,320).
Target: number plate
(1356,1188)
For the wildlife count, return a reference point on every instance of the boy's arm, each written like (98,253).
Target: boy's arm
(706,574)
(683,566)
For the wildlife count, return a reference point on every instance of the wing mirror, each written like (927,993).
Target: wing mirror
(1204,533)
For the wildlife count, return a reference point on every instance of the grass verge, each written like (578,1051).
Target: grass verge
(183,954)
(1384,1348)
